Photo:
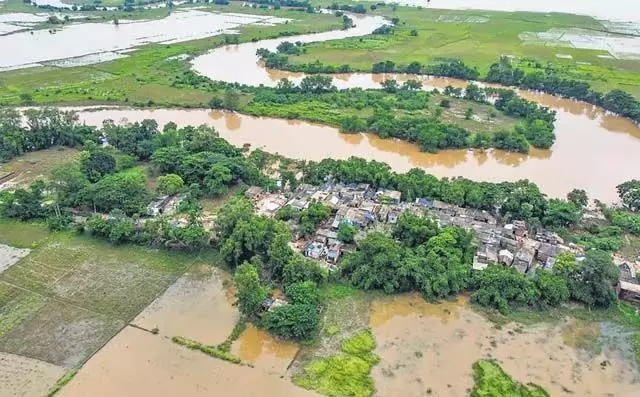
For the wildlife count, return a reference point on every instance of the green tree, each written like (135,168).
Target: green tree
(124,190)
(303,293)
(375,264)
(598,277)
(578,197)
(561,213)
(412,230)
(552,289)
(217,180)
(312,216)
(390,85)
(98,164)
(301,269)
(346,232)
(250,292)
(170,184)
(68,181)
(500,287)
(629,193)
(231,99)
(24,204)
(293,321)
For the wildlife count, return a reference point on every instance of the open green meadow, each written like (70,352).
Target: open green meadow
(479,38)
(72,293)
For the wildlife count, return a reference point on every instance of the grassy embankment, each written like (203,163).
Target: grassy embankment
(146,76)
(320,109)
(479,38)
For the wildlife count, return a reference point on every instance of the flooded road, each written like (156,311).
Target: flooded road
(433,346)
(570,164)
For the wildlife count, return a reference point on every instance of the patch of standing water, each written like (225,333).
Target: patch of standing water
(622,10)
(264,351)
(195,306)
(620,47)
(433,346)
(71,40)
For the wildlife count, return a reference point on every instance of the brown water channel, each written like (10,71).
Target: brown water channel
(593,151)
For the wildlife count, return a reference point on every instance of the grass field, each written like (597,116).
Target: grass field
(478,38)
(34,165)
(73,293)
(146,75)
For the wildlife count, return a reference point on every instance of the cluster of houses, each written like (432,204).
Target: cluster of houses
(363,207)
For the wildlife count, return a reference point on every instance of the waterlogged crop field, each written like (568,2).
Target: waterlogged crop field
(480,37)
(146,75)
(72,293)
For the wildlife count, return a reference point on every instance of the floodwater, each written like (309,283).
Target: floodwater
(26,377)
(70,41)
(433,346)
(593,151)
(137,363)
(584,132)
(264,351)
(622,10)
(196,307)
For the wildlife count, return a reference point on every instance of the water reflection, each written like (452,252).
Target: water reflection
(582,157)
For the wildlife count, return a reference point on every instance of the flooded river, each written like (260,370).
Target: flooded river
(584,134)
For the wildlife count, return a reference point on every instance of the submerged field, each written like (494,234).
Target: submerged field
(146,75)
(480,37)
(72,293)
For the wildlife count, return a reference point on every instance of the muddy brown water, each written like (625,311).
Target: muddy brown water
(433,346)
(137,363)
(264,351)
(593,151)
(196,307)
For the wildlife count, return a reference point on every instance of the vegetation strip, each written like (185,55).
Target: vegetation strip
(212,351)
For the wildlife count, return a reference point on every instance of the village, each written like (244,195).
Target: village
(366,208)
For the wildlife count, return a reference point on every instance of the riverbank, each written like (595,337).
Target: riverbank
(575,47)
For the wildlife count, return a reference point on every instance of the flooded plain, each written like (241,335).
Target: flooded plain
(196,307)
(622,10)
(137,363)
(584,134)
(433,346)
(26,377)
(262,350)
(70,41)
